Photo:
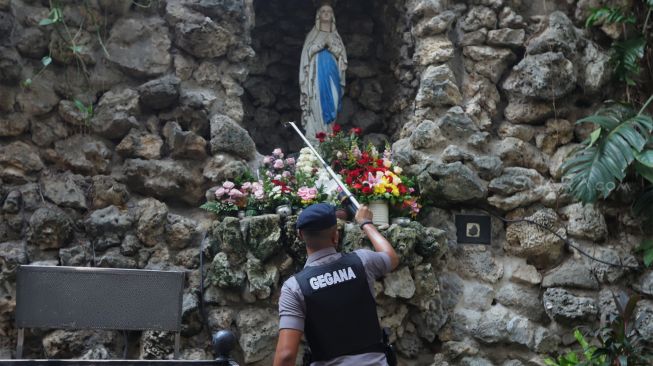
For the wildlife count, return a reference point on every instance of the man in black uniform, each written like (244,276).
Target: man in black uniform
(332,299)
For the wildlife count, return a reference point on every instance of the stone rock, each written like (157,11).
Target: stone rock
(437,24)
(558,36)
(475,361)
(151,223)
(84,154)
(403,240)
(487,166)
(429,300)
(166,179)
(261,278)
(74,256)
(438,88)
(596,71)
(522,299)
(49,228)
(508,18)
(62,52)
(478,296)
(493,324)
(522,132)
(203,38)
(69,344)
(516,152)
(105,191)
(222,274)
(258,333)
(184,144)
(458,349)
(46,131)
(65,190)
(539,246)
(156,345)
(140,47)
(70,114)
(427,135)
(488,61)
(433,50)
(140,144)
(13,125)
(10,69)
(107,226)
(13,254)
(475,38)
(645,283)
(606,273)
(228,136)
(450,183)
(531,335)
(159,93)
(479,264)
(409,345)
(222,167)
(115,114)
(557,132)
(479,17)
(179,231)
(515,179)
(546,76)
(559,157)
(262,235)
(18,161)
(527,275)
(112,258)
(39,98)
(230,239)
(644,319)
(507,37)
(520,110)
(585,221)
(399,284)
(573,274)
(565,307)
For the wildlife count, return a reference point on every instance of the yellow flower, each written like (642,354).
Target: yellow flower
(379,189)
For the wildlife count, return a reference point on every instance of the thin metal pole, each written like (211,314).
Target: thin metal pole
(326,166)
(177,344)
(19,345)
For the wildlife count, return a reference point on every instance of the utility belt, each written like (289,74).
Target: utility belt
(383,347)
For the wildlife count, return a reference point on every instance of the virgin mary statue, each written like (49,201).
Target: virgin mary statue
(322,74)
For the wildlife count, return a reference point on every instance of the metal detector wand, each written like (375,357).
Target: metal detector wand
(326,166)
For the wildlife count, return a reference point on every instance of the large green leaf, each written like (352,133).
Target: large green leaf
(645,158)
(626,56)
(644,171)
(594,171)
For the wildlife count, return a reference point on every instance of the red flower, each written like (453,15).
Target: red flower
(358,186)
(320,136)
(367,190)
(336,128)
(402,189)
(356,130)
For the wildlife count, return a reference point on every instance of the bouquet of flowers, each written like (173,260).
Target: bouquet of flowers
(369,174)
(230,199)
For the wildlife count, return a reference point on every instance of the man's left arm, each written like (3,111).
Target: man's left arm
(287,347)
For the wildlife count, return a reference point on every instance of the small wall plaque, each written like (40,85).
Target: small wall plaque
(473,229)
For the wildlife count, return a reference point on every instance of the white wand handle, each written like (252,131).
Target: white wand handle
(326,166)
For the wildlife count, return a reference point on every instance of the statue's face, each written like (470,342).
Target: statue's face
(325,13)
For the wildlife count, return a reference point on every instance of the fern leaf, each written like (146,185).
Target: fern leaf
(625,57)
(595,170)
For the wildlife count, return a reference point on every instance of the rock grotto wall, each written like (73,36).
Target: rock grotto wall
(479,98)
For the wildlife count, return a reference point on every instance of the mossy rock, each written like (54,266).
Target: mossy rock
(262,235)
(223,274)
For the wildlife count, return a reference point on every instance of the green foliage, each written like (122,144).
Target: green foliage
(572,359)
(55,16)
(85,110)
(625,56)
(620,342)
(620,139)
(646,248)
(608,15)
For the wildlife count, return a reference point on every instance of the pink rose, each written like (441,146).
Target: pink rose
(220,192)
(234,193)
(285,174)
(228,185)
(290,161)
(278,164)
(277,177)
(277,152)
(246,186)
(269,174)
(259,194)
(267,160)
(307,194)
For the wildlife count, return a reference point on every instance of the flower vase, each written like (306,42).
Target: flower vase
(380,212)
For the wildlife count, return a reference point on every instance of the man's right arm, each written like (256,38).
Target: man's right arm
(380,243)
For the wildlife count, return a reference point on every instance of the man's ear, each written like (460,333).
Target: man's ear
(300,235)
(335,237)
